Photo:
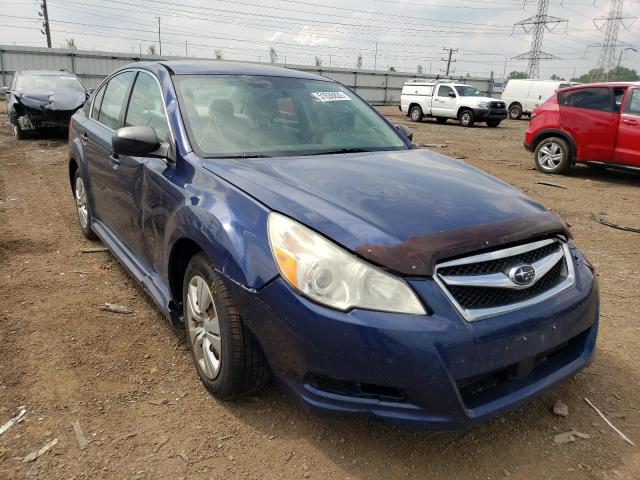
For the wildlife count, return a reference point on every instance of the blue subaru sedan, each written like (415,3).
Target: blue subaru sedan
(297,235)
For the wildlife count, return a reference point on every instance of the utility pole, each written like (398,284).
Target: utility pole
(537,26)
(448,60)
(45,24)
(159,38)
(375,57)
(611,25)
(186,48)
(504,72)
(329,59)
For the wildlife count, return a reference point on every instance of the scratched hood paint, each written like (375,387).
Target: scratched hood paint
(372,202)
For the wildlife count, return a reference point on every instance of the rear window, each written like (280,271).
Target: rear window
(587,98)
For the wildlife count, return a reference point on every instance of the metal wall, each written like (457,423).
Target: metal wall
(377,87)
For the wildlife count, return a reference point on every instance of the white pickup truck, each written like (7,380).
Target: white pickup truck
(450,100)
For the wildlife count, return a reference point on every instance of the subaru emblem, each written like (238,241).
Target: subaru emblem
(523,274)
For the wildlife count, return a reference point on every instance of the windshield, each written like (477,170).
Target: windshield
(467,91)
(54,83)
(244,116)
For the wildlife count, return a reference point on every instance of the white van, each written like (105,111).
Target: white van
(522,96)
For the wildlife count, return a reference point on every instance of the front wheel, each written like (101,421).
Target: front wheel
(18,132)
(493,123)
(515,112)
(415,113)
(552,155)
(466,118)
(225,354)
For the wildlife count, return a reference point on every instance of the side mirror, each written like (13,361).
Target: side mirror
(406,131)
(4,90)
(452,94)
(136,142)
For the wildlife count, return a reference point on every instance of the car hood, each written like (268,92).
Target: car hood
(50,100)
(405,210)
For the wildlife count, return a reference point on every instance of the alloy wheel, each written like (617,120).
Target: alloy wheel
(81,202)
(550,156)
(203,327)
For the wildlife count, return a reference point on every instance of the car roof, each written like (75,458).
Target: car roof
(602,84)
(218,67)
(46,72)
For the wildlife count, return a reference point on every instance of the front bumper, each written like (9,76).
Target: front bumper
(427,372)
(484,114)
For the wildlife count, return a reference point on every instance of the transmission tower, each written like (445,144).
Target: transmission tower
(537,25)
(611,25)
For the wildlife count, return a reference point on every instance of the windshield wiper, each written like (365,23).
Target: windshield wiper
(339,150)
(243,155)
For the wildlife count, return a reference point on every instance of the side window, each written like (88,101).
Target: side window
(97,101)
(146,107)
(588,98)
(443,91)
(113,98)
(633,104)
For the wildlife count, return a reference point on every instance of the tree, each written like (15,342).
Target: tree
(617,74)
(556,77)
(219,54)
(70,44)
(151,50)
(420,69)
(273,56)
(359,61)
(518,75)
(392,69)
(318,61)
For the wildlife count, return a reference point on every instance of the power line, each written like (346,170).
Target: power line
(537,26)
(611,25)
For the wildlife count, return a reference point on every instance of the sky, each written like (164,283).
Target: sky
(398,33)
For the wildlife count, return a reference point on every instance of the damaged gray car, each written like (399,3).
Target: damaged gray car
(41,100)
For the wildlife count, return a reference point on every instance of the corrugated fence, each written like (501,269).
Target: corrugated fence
(377,87)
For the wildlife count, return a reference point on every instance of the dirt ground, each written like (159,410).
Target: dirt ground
(129,382)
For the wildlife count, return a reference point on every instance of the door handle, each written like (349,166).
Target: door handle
(629,121)
(115,160)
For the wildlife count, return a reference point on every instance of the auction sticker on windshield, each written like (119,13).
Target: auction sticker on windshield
(329,96)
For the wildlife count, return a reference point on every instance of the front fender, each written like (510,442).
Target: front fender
(231,229)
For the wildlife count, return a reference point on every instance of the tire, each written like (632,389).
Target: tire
(493,123)
(416,113)
(552,155)
(82,206)
(18,132)
(515,111)
(441,119)
(227,358)
(466,118)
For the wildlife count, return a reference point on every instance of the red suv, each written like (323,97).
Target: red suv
(597,124)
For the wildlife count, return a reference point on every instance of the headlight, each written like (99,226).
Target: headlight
(327,274)
(483,105)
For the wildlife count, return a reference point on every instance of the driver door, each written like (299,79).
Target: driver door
(444,105)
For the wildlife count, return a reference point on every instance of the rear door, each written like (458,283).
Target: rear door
(587,114)
(628,147)
(106,116)
(443,104)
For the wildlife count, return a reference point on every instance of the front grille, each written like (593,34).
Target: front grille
(497,105)
(483,297)
(500,264)
(480,286)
